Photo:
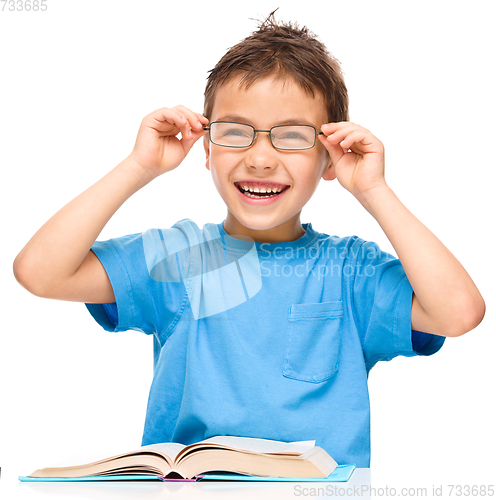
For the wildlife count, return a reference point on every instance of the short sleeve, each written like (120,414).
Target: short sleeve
(425,344)
(382,305)
(147,281)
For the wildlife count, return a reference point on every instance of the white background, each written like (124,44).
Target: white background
(76,82)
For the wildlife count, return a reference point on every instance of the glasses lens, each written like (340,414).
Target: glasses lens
(231,134)
(293,137)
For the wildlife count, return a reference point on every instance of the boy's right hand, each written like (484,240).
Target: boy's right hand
(157,149)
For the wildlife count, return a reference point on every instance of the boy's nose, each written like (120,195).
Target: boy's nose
(261,154)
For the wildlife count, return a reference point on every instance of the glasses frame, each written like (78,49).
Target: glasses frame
(255,135)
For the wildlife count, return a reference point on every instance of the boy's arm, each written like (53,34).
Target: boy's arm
(57,262)
(446,301)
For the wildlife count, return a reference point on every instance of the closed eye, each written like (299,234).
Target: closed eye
(236,132)
(292,135)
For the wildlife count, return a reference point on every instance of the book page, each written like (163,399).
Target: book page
(100,454)
(261,445)
(169,449)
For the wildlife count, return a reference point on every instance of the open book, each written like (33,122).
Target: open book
(250,456)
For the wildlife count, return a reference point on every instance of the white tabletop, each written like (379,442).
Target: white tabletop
(359,481)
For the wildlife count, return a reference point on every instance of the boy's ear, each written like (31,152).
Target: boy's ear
(329,173)
(206,145)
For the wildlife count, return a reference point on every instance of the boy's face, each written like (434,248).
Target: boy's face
(268,102)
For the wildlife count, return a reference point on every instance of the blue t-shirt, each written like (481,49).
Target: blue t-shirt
(267,340)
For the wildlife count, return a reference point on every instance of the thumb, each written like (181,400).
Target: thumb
(187,142)
(335,150)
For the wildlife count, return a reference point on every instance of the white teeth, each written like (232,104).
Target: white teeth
(262,190)
(257,197)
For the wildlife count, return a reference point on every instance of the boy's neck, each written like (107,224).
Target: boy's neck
(290,230)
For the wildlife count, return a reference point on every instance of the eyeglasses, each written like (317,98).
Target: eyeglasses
(240,135)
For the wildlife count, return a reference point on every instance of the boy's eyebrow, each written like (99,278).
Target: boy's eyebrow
(241,119)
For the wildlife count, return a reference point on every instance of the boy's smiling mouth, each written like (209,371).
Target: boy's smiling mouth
(260,193)
(254,189)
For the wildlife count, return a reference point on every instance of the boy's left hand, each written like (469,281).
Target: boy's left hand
(357,157)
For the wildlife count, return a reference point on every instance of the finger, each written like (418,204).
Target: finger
(194,135)
(333,127)
(182,117)
(340,134)
(354,137)
(337,141)
(335,151)
(203,119)
(194,127)
(195,120)
(169,115)
(170,121)
(165,120)
(188,140)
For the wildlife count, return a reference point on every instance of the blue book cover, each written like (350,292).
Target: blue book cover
(340,474)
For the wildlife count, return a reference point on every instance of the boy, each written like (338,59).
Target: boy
(263,327)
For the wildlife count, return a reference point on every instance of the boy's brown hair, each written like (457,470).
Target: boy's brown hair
(288,51)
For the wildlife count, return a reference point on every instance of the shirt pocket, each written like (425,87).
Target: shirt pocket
(313,341)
